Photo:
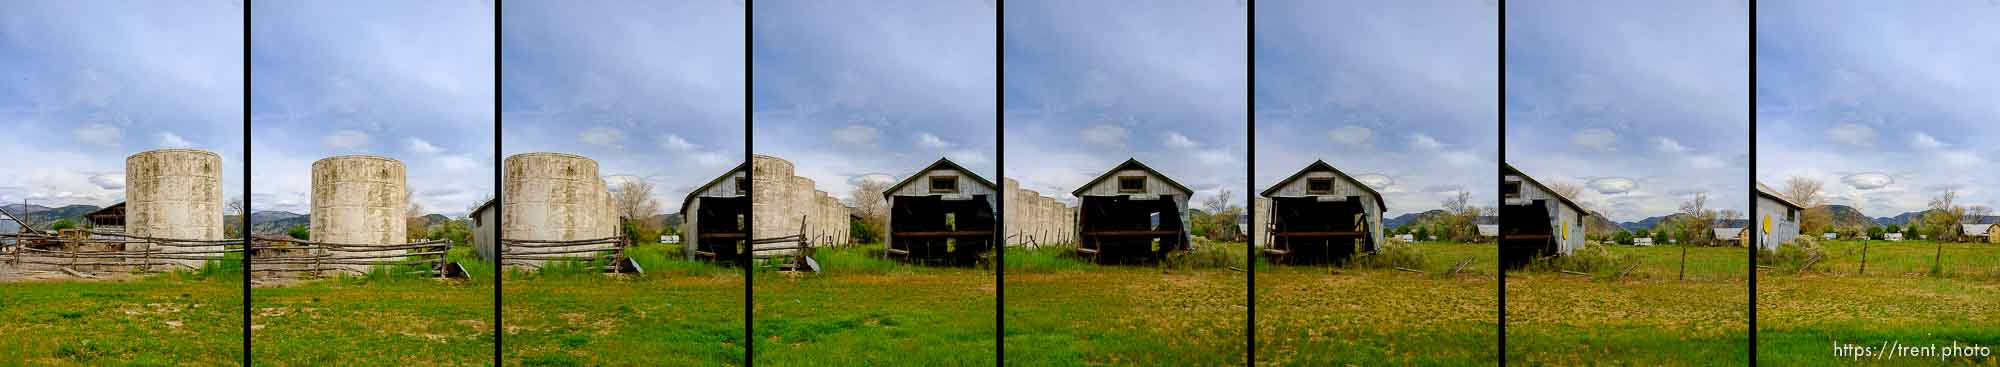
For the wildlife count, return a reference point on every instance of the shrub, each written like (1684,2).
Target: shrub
(1393,255)
(1790,256)
(1589,259)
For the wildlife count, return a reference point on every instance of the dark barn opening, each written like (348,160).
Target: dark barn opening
(720,226)
(1123,230)
(934,230)
(1309,231)
(1525,234)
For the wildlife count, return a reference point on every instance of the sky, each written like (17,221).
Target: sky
(411,81)
(1402,96)
(653,91)
(1885,104)
(1642,103)
(85,84)
(856,91)
(1091,84)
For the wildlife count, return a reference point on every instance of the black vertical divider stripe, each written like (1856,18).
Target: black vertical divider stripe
(499,201)
(1000,170)
(1757,243)
(749,174)
(1500,40)
(244,229)
(1250,186)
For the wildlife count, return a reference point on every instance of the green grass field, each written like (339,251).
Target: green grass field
(1647,317)
(1064,312)
(679,313)
(157,320)
(1800,315)
(1322,315)
(863,310)
(377,319)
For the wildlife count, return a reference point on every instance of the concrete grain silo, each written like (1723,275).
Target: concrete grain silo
(770,199)
(802,204)
(174,194)
(360,199)
(554,197)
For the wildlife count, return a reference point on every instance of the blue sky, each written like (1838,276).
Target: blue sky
(653,91)
(1643,103)
(866,90)
(83,85)
(1092,83)
(1886,104)
(407,80)
(1403,96)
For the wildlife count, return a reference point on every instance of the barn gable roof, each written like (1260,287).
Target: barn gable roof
(745,166)
(1506,168)
(1321,165)
(942,163)
(1130,163)
(1767,191)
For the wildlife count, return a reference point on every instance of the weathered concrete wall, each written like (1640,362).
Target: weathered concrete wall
(360,199)
(174,193)
(1035,220)
(771,203)
(555,197)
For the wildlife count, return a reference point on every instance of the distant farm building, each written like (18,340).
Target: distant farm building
(1642,241)
(942,213)
(715,216)
(485,225)
(1318,215)
(1892,236)
(1777,218)
(1126,210)
(1978,232)
(1735,235)
(1535,221)
(1488,231)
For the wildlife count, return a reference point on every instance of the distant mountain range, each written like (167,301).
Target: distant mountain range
(42,217)
(1408,218)
(1906,218)
(276,222)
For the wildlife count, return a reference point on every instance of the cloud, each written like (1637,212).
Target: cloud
(1108,135)
(932,141)
(677,143)
(1350,135)
(100,134)
(109,181)
(1426,142)
(855,135)
(602,136)
(1375,181)
(1443,188)
(857,180)
(1925,141)
(969,157)
(1852,134)
(1595,139)
(1668,145)
(174,141)
(418,145)
(712,159)
(346,139)
(1868,180)
(1178,141)
(1612,185)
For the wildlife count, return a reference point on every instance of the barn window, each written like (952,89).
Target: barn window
(1132,184)
(1510,190)
(742,184)
(1319,185)
(1791,214)
(944,184)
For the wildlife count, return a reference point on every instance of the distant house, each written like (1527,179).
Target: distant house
(1488,231)
(1535,221)
(1978,232)
(1732,235)
(1830,235)
(111,219)
(1777,218)
(1406,237)
(1892,236)
(1318,215)
(1642,241)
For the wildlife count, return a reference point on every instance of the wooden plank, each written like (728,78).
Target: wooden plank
(937,234)
(1322,234)
(1086,250)
(1134,233)
(724,236)
(899,252)
(1514,237)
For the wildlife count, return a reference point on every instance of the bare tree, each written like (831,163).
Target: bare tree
(866,199)
(1804,191)
(1942,218)
(1977,213)
(1698,219)
(1729,214)
(416,226)
(1222,215)
(235,206)
(634,199)
(1567,190)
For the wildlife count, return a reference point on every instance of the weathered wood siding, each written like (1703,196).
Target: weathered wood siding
(690,232)
(1782,230)
(1342,190)
(1566,224)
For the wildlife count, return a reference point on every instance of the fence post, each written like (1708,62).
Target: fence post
(1864,257)
(1938,262)
(1684,262)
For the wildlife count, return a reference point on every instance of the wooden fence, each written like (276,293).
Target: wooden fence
(279,254)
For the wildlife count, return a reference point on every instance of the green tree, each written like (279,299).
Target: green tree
(299,232)
(863,231)
(1622,237)
(62,224)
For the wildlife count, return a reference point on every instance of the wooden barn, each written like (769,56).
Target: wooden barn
(1977,232)
(1320,215)
(941,214)
(485,229)
(1535,221)
(1131,213)
(1732,235)
(714,216)
(1777,218)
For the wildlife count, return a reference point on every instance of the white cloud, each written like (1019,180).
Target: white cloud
(1669,145)
(1852,134)
(871,177)
(602,136)
(1110,135)
(1595,139)
(109,181)
(1350,135)
(100,134)
(346,139)
(1215,157)
(1868,180)
(1375,181)
(1706,162)
(969,157)
(1612,185)
(677,143)
(1925,141)
(1425,141)
(932,141)
(458,164)
(421,146)
(171,140)
(1178,141)
(855,135)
